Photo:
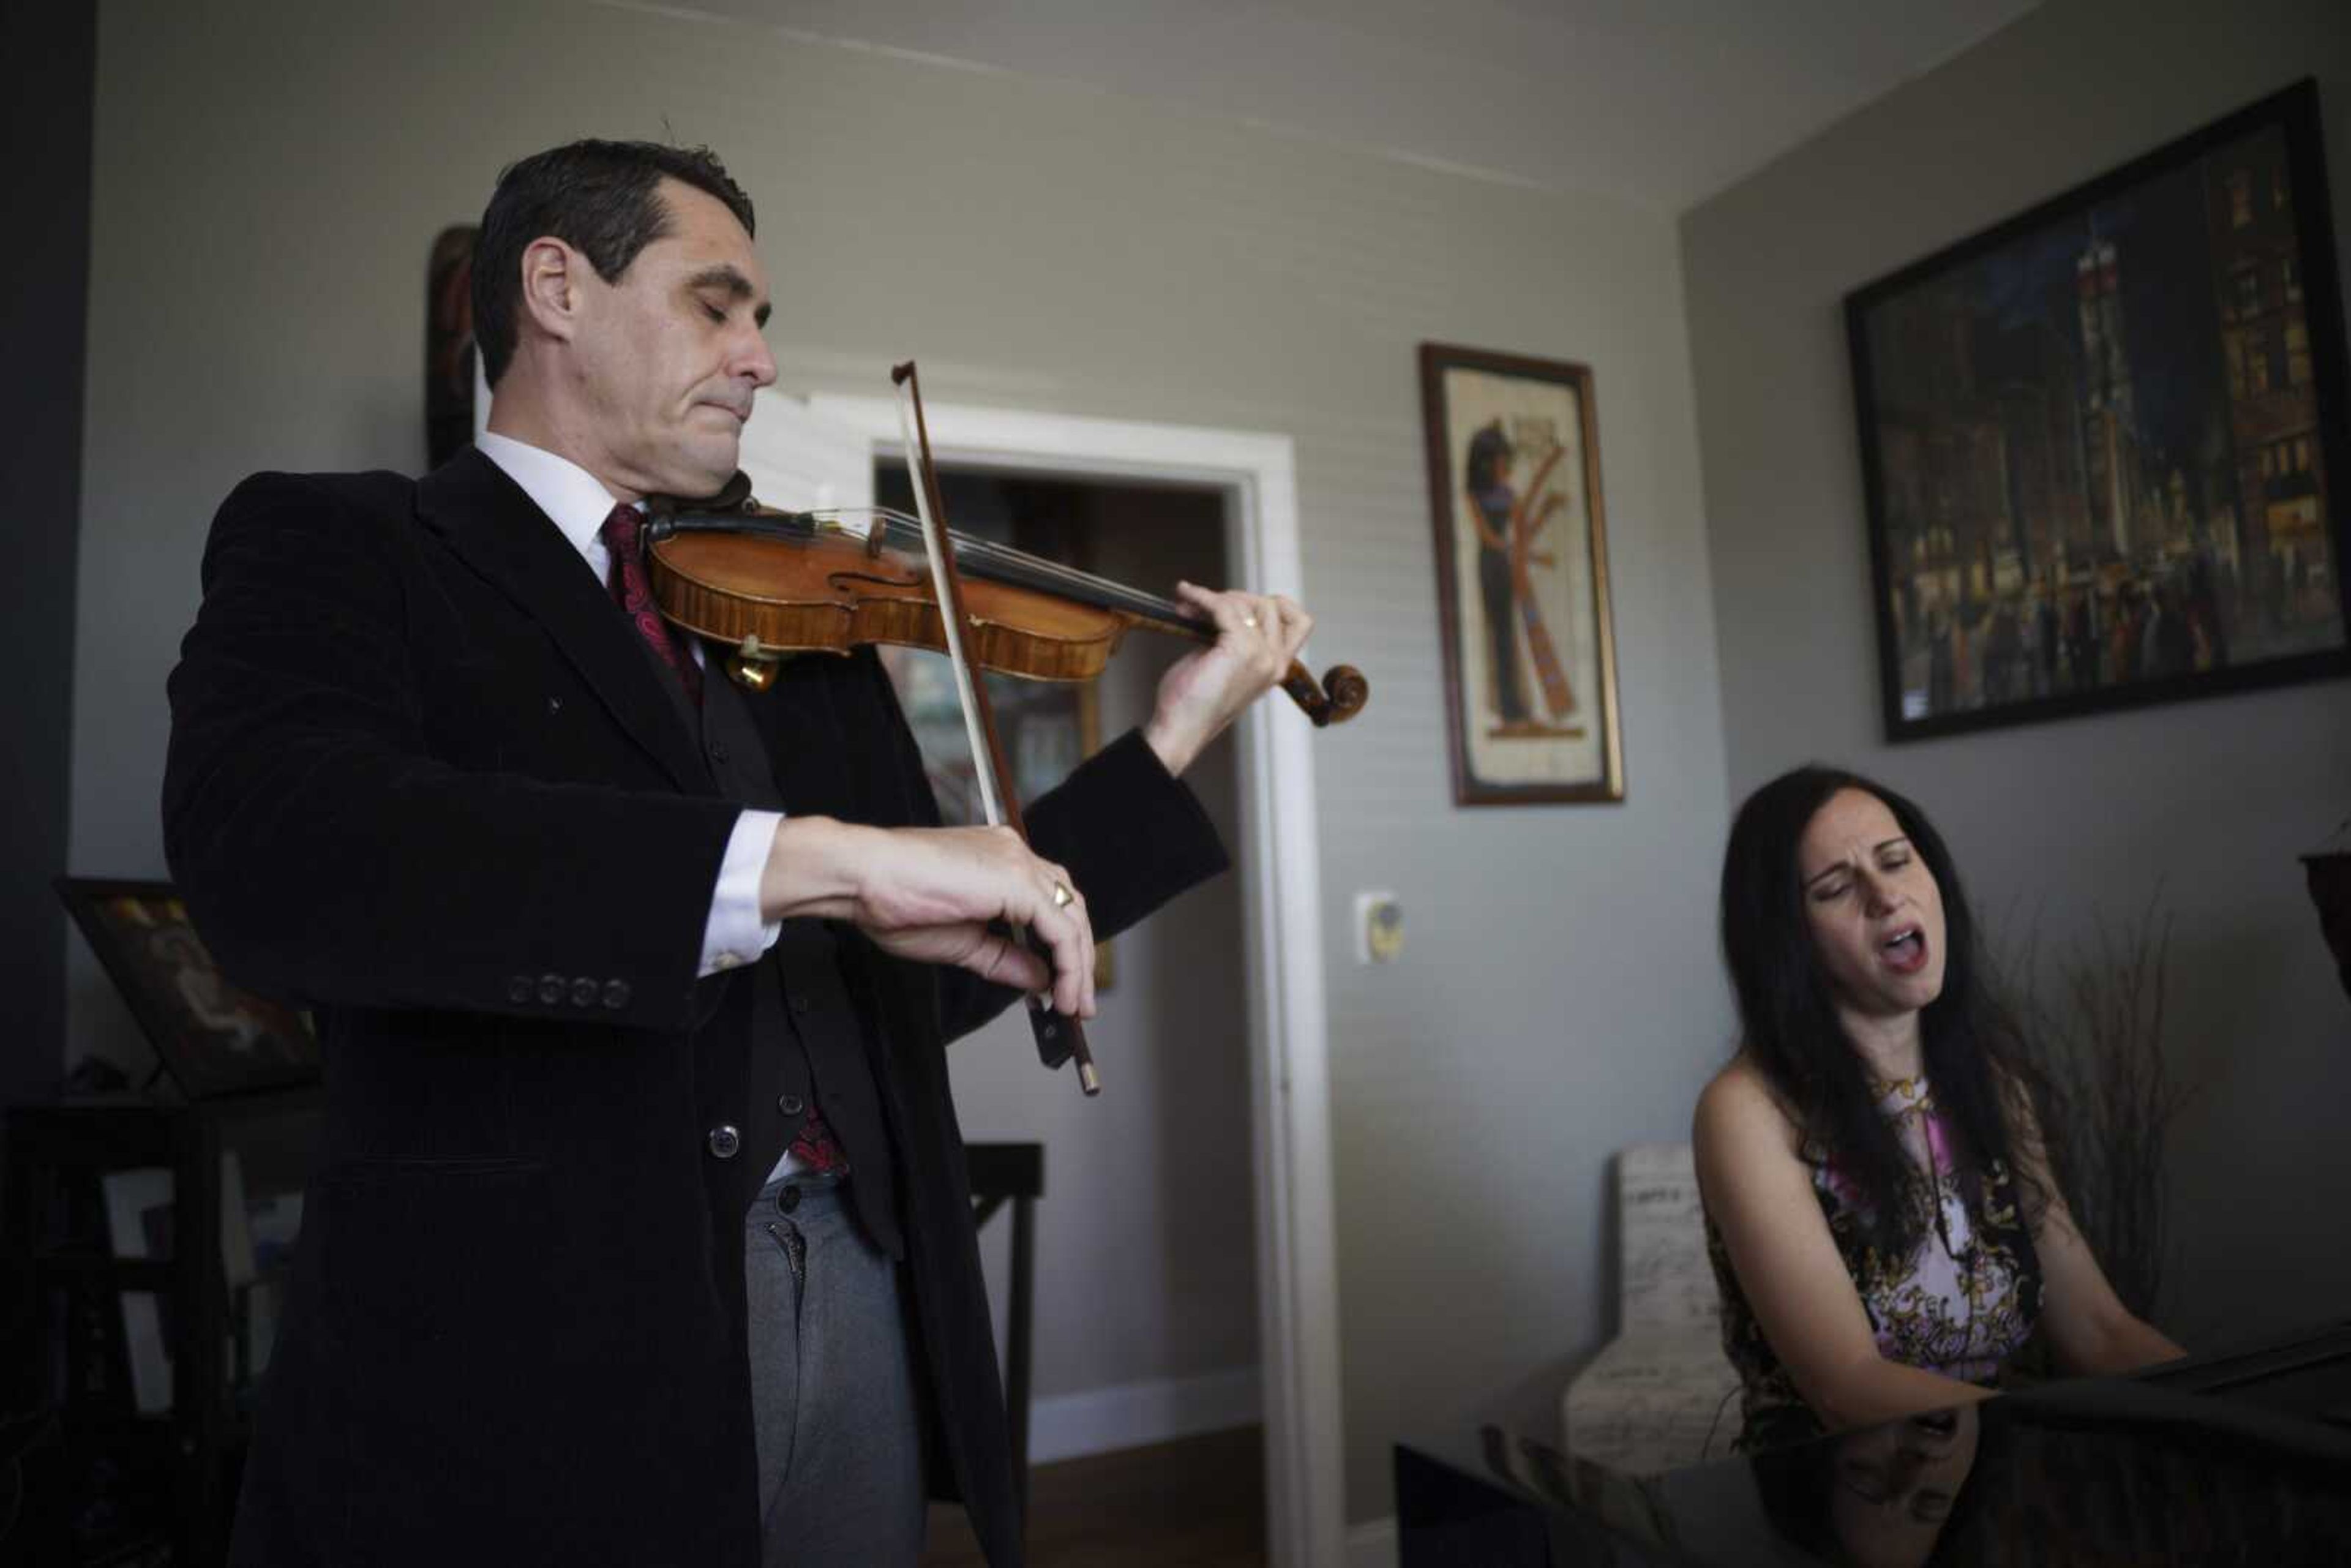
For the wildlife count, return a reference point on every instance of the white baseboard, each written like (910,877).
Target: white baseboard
(1132,1414)
(1372,1545)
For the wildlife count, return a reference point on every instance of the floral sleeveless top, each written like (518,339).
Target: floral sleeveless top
(1962,1305)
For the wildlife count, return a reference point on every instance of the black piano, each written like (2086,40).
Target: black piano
(2240,1457)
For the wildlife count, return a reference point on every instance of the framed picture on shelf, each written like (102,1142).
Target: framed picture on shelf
(256,1235)
(213,1037)
(1523,578)
(2102,443)
(139,1225)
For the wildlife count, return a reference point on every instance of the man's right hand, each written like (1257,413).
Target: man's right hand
(930,894)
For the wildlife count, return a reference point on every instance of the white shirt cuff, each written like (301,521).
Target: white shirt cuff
(736,934)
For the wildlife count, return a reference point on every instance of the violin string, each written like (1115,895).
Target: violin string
(1019,567)
(1044,572)
(1036,571)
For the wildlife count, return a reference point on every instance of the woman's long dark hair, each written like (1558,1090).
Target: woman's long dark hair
(1973,1059)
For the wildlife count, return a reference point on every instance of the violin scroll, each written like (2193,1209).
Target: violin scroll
(1340,696)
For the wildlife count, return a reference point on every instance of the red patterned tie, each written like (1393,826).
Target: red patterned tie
(817,1151)
(633,592)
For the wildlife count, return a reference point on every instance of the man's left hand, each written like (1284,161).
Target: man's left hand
(1258,639)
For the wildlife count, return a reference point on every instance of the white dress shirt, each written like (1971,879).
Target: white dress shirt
(577,503)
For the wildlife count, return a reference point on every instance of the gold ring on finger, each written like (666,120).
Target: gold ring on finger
(1062,896)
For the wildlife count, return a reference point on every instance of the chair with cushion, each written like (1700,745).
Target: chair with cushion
(1661,1394)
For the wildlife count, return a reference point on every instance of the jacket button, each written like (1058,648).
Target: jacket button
(789,1198)
(583,992)
(518,990)
(800,1002)
(616,993)
(791,1104)
(724,1142)
(718,751)
(550,988)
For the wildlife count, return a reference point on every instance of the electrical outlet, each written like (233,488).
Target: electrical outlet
(1379,928)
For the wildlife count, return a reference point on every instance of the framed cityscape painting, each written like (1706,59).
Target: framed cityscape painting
(1523,578)
(2104,443)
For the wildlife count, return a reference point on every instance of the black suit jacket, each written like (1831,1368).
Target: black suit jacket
(422,779)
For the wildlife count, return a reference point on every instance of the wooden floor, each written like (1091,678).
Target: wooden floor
(1198,1502)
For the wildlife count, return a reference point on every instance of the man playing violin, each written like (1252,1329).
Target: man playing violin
(640,1231)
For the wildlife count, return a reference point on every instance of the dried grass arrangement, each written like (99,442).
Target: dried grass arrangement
(2093,1021)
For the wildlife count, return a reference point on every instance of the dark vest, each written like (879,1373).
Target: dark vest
(808,1040)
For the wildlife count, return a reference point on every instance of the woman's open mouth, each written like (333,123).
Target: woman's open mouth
(1906,950)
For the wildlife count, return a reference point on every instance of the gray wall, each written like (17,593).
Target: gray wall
(2084,818)
(46,90)
(268,180)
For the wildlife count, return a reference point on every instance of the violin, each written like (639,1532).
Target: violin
(767,584)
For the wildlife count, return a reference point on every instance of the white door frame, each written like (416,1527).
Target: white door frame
(1297,1264)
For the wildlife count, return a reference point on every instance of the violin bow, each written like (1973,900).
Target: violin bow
(1058,1038)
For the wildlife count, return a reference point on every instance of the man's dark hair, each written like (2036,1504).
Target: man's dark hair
(1976,1066)
(603,198)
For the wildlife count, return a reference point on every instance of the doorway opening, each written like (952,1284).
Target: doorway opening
(824,451)
(1143,1305)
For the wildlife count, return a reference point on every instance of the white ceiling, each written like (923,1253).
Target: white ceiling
(1659,102)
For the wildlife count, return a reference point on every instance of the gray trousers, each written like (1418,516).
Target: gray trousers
(833,1386)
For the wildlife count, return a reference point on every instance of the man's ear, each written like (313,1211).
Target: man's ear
(551,274)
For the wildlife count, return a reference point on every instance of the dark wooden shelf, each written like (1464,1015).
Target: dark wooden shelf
(96,1267)
(58,1153)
